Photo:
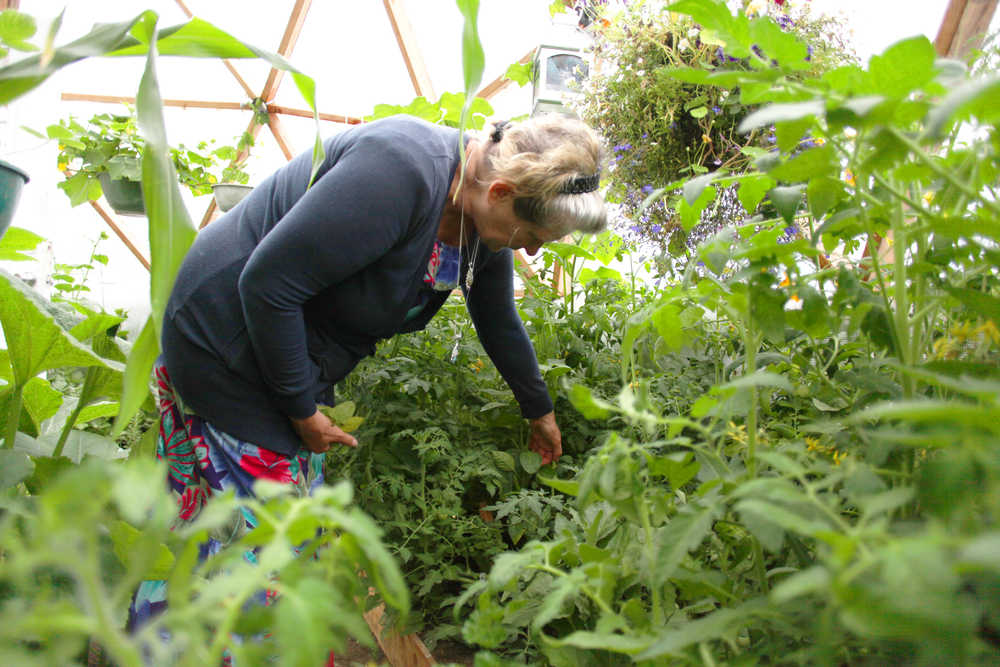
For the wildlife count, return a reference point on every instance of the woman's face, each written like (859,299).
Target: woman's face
(498,225)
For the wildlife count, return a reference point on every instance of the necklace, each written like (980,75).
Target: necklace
(470,273)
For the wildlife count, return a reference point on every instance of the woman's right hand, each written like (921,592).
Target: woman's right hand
(318,433)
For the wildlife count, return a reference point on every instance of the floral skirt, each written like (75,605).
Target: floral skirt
(203,461)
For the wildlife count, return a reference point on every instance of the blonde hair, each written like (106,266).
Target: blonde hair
(541,157)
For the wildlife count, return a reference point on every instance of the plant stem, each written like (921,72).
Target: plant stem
(66,430)
(946,174)
(647,529)
(13,416)
(750,342)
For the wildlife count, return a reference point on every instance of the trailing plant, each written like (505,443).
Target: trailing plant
(111,144)
(662,129)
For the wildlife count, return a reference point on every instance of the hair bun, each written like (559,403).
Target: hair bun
(498,128)
(581,184)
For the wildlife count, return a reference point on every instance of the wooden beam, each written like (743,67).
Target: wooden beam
(274,123)
(305,113)
(205,104)
(121,234)
(288,40)
(963,27)
(501,82)
(253,129)
(399,650)
(408,46)
(124,99)
(229,65)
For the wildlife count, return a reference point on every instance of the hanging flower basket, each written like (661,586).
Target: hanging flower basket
(125,196)
(228,195)
(12,180)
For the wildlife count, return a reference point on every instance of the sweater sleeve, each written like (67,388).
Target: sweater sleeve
(351,216)
(490,302)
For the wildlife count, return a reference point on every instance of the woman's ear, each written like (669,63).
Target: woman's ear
(499,190)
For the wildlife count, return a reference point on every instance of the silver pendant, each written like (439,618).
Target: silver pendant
(469,276)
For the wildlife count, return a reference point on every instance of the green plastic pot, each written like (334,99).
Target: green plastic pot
(125,196)
(12,180)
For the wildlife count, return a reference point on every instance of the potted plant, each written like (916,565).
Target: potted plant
(105,157)
(233,184)
(12,180)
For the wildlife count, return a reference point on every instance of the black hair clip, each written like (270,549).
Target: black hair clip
(498,128)
(581,185)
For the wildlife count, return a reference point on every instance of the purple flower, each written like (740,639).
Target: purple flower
(716,110)
(809,54)
(646,189)
(771,138)
(622,147)
(791,232)
(657,228)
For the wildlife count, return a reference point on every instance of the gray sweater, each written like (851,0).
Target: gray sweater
(280,298)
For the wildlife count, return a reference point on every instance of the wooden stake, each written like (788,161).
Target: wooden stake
(399,650)
(963,27)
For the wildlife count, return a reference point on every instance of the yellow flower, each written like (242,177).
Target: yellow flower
(819,141)
(812,445)
(755,8)
(990,329)
(928,197)
(63,166)
(848,177)
(706,139)
(786,281)
(838,457)
(795,298)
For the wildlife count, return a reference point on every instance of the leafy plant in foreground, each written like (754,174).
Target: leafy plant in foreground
(832,498)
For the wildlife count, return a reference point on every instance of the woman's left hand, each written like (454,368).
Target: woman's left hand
(546,439)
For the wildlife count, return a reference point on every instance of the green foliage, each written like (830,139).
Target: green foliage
(446,111)
(828,492)
(111,144)
(15,31)
(668,103)
(67,577)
